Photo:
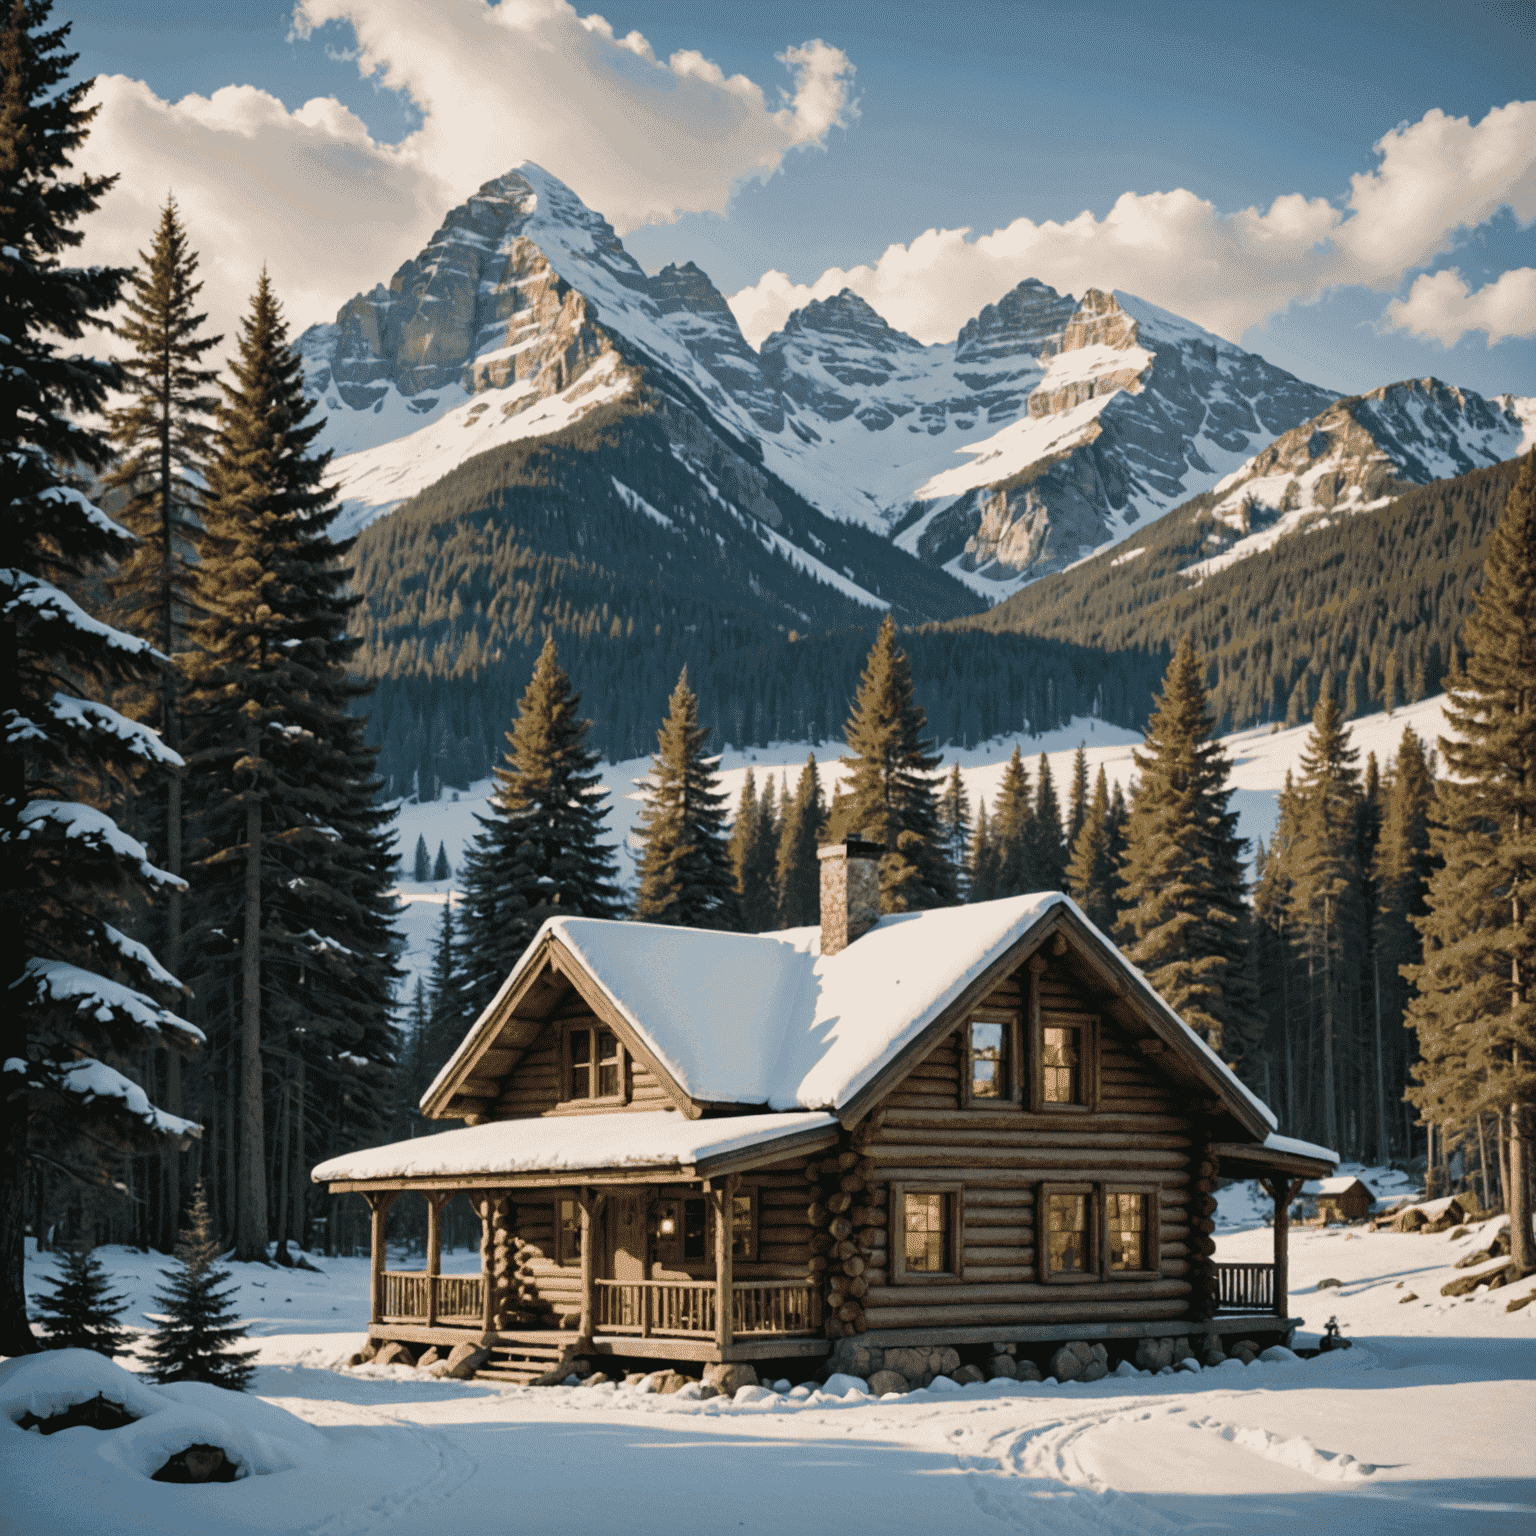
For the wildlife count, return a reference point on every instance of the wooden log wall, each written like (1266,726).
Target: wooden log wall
(1141,1131)
(533,1085)
(848,1213)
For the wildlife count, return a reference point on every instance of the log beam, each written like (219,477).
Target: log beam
(1282,1191)
(378,1207)
(434,1252)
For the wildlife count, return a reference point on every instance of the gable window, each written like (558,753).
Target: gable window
(989,1077)
(568,1231)
(594,1064)
(1065,1061)
(1098,1232)
(926,1241)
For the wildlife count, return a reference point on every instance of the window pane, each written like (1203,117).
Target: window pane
(1127,1231)
(989,1077)
(1059,1066)
(926,1221)
(570,1232)
(607,1066)
(581,1063)
(741,1226)
(1067,1234)
(693,1229)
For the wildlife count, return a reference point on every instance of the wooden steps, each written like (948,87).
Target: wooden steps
(522,1362)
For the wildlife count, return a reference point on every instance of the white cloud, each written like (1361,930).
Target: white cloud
(1226,271)
(332,211)
(1441,306)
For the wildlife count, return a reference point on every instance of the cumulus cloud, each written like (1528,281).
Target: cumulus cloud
(331,211)
(1441,306)
(1226,271)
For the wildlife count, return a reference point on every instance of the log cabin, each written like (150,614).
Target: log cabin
(1341,1198)
(970,1127)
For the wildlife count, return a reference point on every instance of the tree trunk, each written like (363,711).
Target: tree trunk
(1522,1242)
(300,1184)
(251,1229)
(1330,1107)
(1382,1150)
(1482,1159)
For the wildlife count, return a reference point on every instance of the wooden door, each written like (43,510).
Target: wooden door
(626,1235)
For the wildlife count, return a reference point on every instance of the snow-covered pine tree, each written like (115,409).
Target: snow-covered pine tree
(1091,875)
(685,863)
(1182,879)
(80,994)
(1048,850)
(160,431)
(441,868)
(955,823)
(891,790)
(421,861)
(1475,1012)
(539,852)
(81,1312)
(197,1336)
(295,857)
(798,869)
(1013,814)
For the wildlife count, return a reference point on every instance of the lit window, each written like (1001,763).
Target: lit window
(608,1078)
(989,1065)
(1127,1229)
(926,1227)
(1067,1233)
(597,1064)
(1060,1061)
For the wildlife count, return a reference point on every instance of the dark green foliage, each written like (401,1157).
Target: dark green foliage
(1475,1009)
(798,871)
(1092,875)
(421,864)
(982,865)
(66,761)
(1182,878)
(1012,833)
(955,828)
(1047,848)
(1077,805)
(1377,600)
(196,1339)
(754,856)
(685,865)
(891,798)
(454,1003)
(539,852)
(441,868)
(81,1313)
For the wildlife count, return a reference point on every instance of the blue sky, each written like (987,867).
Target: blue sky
(963,116)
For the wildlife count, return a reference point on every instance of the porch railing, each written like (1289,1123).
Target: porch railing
(408,1297)
(687,1307)
(1245,1287)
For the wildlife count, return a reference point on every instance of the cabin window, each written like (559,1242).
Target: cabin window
(1065,1064)
(594,1064)
(990,1078)
(568,1233)
(1094,1232)
(927,1236)
(1126,1225)
(695,1230)
(1069,1232)
(744,1225)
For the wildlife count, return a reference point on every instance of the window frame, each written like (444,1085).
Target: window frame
(1089,1274)
(1013,1042)
(745,1192)
(1152,1194)
(567,1248)
(899,1273)
(594,1031)
(1087,1024)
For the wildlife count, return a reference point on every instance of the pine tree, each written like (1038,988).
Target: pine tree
(1182,878)
(1092,873)
(1475,1013)
(294,858)
(452,1009)
(798,869)
(81,1314)
(753,845)
(891,791)
(1047,850)
(685,863)
(955,824)
(79,993)
(421,864)
(983,865)
(1077,805)
(441,868)
(539,853)
(195,1341)
(1013,832)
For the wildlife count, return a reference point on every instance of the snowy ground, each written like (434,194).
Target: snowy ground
(1260,758)
(1424,1426)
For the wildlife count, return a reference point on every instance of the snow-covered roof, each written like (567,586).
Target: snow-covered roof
(1337,1185)
(1277,1143)
(660,1139)
(768,1019)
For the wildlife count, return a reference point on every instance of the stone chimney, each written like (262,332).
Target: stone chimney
(850,892)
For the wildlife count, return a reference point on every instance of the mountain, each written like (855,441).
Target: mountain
(1048,427)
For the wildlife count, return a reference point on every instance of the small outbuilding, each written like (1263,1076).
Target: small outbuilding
(1342,1198)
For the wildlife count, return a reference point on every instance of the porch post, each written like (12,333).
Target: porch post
(483,1209)
(379,1203)
(722,1191)
(1282,1191)
(435,1199)
(587,1203)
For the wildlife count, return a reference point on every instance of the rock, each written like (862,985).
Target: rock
(1002,1365)
(1329,1284)
(947,1363)
(1246,1351)
(465,1359)
(1518,1303)
(1071,1360)
(888,1381)
(1153,1354)
(438,1368)
(840,1383)
(355,1359)
(1095,1370)
(969,1373)
(429,1357)
(943,1384)
(1459,1232)
(912,1363)
(1028,1371)
(728,1377)
(1404,1300)
(1278,1354)
(598,1379)
(395,1353)
(582,1367)
(1125,1368)
(1181,1350)
(635,1378)
(667,1382)
(197,1464)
